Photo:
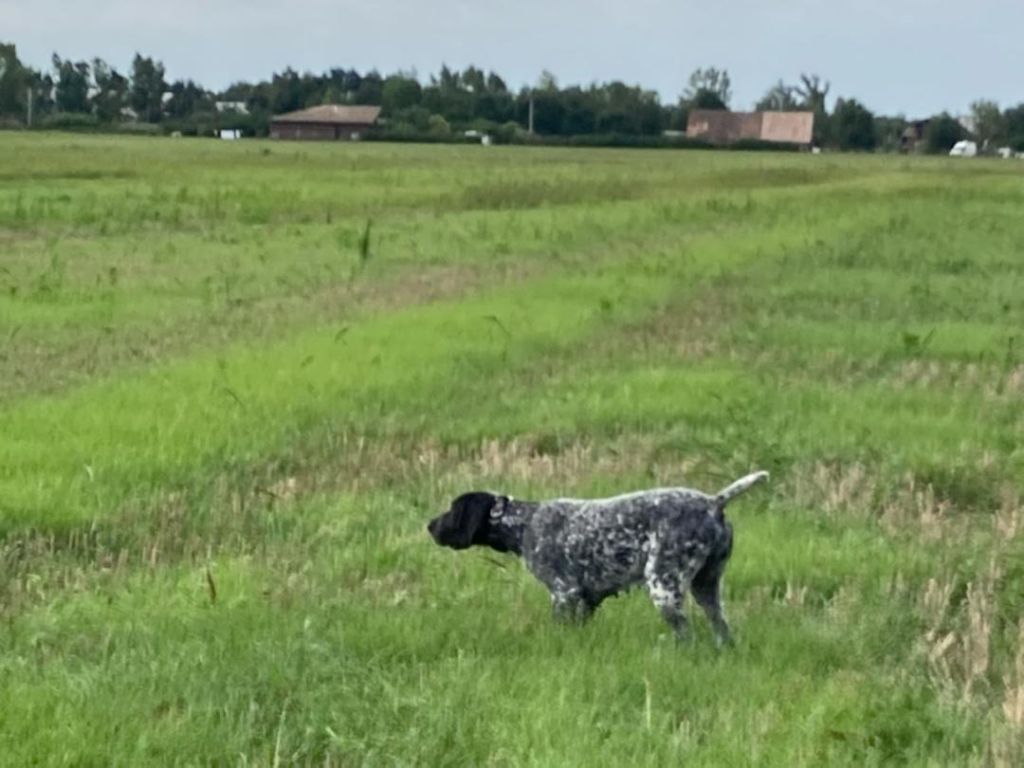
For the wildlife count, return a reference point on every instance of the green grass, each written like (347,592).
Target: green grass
(237,379)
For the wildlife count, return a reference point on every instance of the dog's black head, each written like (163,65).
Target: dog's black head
(467,522)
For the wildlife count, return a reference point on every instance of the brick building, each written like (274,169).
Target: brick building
(327,122)
(719,126)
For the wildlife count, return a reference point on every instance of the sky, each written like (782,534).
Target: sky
(911,57)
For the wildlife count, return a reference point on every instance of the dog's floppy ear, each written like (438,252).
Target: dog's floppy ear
(500,505)
(471,512)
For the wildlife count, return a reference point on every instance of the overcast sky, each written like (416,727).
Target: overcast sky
(911,56)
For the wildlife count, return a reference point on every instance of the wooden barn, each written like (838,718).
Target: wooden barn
(913,135)
(721,127)
(327,122)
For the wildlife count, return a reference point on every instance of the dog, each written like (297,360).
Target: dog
(586,550)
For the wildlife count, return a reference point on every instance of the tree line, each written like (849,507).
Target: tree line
(95,94)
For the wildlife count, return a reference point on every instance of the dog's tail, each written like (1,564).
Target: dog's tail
(726,495)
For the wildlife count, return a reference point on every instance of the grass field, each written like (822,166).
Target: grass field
(236,379)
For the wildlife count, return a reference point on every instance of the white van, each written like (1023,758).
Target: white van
(964,149)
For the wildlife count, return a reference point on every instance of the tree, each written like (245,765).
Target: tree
(473,79)
(812,93)
(240,91)
(495,84)
(889,130)
(674,116)
(706,99)
(446,78)
(813,97)
(412,120)
(988,122)
(779,98)
(14,81)
(626,109)
(400,92)
(1013,121)
(349,81)
(371,88)
(709,88)
(286,92)
(72,90)
(580,113)
(111,91)
(547,82)
(187,99)
(941,133)
(548,110)
(438,126)
(496,105)
(447,96)
(147,88)
(853,126)
(42,87)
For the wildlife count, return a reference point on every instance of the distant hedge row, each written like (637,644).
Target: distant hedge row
(88,123)
(83,122)
(585,140)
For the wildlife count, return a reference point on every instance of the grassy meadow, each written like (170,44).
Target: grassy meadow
(236,380)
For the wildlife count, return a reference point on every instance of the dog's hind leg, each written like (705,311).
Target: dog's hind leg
(706,588)
(570,606)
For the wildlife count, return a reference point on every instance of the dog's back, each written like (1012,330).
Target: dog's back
(602,545)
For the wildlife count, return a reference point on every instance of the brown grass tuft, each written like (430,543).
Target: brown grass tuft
(838,489)
(1013,697)
(1006,740)
(918,507)
(960,659)
(795,595)
(1008,522)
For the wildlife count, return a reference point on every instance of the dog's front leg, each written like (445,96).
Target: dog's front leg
(570,607)
(666,587)
(667,595)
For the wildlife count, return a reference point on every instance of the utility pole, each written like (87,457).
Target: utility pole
(30,97)
(531,113)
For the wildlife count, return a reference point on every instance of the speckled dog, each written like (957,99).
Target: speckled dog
(585,550)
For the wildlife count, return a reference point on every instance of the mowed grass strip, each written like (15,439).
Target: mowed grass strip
(81,456)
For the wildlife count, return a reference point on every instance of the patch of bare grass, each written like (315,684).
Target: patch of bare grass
(856,491)
(958,641)
(40,365)
(837,489)
(995,381)
(918,507)
(1007,738)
